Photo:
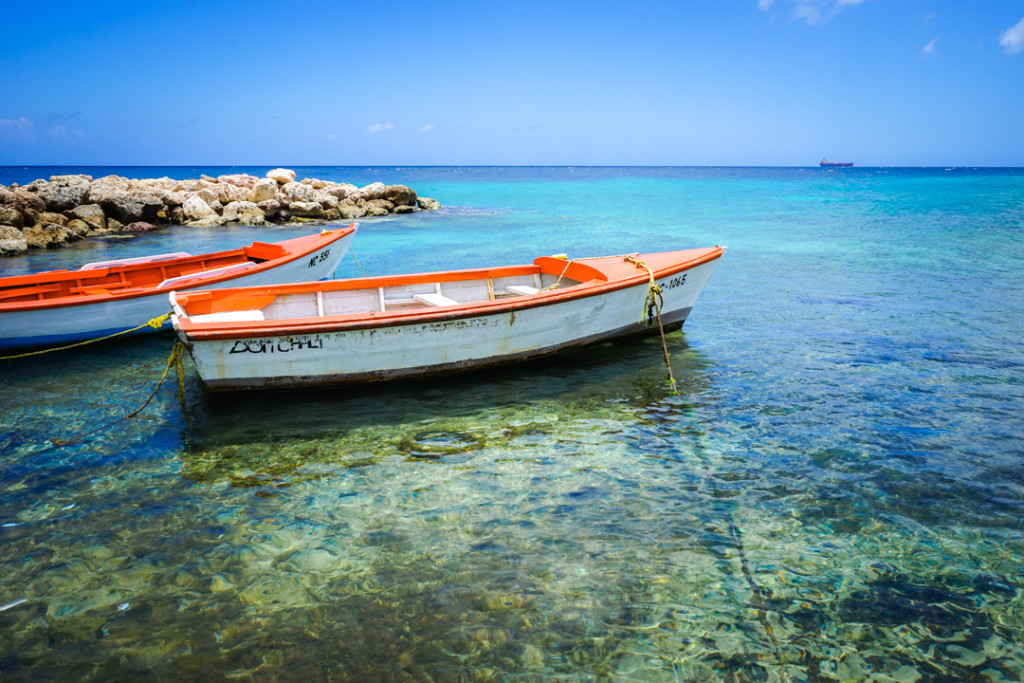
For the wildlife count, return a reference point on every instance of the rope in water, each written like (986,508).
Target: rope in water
(351,251)
(653,303)
(173,361)
(155,323)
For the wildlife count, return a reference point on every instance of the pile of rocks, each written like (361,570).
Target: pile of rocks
(44,214)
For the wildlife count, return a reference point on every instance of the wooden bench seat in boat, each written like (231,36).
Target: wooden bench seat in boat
(229,317)
(435,300)
(521,290)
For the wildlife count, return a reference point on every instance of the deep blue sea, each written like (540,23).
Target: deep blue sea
(835,494)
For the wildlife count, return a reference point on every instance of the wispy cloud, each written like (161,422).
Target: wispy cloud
(17,130)
(380,127)
(64,134)
(812,11)
(1012,39)
(929,49)
(427,128)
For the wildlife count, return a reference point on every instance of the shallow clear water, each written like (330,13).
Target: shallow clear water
(835,494)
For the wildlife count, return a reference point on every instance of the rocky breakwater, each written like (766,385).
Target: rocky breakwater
(51,213)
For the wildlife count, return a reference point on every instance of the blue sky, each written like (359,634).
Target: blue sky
(683,82)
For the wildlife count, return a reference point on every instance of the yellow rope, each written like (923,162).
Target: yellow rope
(350,250)
(155,323)
(653,303)
(174,360)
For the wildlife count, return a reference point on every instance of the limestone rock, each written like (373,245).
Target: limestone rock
(239,180)
(306,209)
(51,217)
(282,175)
(400,194)
(371,191)
(126,209)
(227,193)
(263,190)
(106,187)
(207,221)
(298,192)
(404,208)
(10,216)
(196,208)
(139,226)
(91,214)
(269,207)
(342,190)
(331,214)
(349,211)
(244,212)
(12,241)
(79,227)
(62,192)
(113,225)
(28,204)
(378,207)
(428,204)
(48,235)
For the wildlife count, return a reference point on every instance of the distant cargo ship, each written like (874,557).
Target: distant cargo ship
(831,164)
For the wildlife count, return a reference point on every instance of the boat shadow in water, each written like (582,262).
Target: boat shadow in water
(283,437)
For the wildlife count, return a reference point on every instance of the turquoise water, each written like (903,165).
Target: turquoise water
(835,494)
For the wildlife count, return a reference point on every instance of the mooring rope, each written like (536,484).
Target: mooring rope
(155,323)
(653,303)
(352,251)
(175,361)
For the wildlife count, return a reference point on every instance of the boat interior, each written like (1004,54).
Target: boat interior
(362,296)
(162,271)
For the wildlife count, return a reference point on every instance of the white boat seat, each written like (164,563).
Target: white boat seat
(228,317)
(522,290)
(435,300)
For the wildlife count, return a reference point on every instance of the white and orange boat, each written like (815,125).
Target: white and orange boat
(384,328)
(65,306)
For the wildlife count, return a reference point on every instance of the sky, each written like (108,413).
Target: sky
(645,82)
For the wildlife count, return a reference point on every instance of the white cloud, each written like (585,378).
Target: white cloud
(812,11)
(427,128)
(17,130)
(380,127)
(929,49)
(1012,39)
(63,133)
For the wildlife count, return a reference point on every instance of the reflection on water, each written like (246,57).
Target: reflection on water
(537,522)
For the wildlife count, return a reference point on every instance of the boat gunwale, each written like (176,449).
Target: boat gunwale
(345,322)
(319,240)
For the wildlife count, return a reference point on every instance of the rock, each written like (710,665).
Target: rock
(298,192)
(48,235)
(269,207)
(239,180)
(6,195)
(91,214)
(107,187)
(378,207)
(371,191)
(139,226)
(28,204)
(342,190)
(196,208)
(263,190)
(176,215)
(114,225)
(228,193)
(125,209)
(207,222)
(79,227)
(50,217)
(400,194)
(86,178)
(12,241)
(404,208)
(211,198)
(282,175)
(325,199)
(10,216)
(244,212)
(331,214)
(62,192)
(209,179)
(349,211)
(306,209)
(428,204)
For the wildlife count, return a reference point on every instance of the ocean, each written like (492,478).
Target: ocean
(836,492)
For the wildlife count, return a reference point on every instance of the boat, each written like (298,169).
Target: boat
(373,329)
(825,163)
(60,307)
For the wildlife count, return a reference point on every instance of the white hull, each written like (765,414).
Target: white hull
(67,324)
(419,348)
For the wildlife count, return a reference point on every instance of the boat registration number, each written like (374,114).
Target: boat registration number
(318,259)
